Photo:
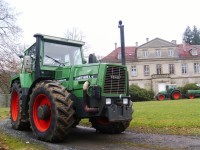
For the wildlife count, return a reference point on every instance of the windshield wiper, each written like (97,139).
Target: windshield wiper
(56,60)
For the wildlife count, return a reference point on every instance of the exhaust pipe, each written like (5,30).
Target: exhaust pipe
(86,98)
(121,27)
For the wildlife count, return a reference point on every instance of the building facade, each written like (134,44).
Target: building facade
(156,63)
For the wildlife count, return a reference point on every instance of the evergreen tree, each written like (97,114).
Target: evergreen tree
(195,36)
(192,36)
(187,35)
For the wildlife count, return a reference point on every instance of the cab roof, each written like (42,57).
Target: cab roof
(59,39)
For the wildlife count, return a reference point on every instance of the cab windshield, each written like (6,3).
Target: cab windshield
(61,55)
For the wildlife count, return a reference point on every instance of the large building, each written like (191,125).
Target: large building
(156,63)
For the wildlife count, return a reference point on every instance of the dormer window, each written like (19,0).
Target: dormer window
(119,56)
(193,52)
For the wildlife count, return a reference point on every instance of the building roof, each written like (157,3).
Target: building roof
(130,53)
(156,43)
(185,50)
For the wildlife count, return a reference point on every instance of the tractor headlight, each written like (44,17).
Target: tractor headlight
(108,101)
(125,101)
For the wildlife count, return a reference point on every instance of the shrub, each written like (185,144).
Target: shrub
(140,94)
(181,89)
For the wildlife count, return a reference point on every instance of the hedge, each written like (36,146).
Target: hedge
(140,94)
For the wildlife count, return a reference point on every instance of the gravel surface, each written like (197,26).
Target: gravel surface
(84,138)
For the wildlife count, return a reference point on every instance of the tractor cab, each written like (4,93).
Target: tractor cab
(170,87)
(49,53)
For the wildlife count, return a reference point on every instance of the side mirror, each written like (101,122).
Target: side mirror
(27,62)
(92,59)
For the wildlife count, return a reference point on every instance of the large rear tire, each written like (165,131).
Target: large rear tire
(176,95)
(50,111)
(102,125)
(76,122)
(16,108)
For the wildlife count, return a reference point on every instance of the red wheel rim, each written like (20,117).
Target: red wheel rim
(176,95)
(14,105)
(103,121)
(41,125)
(161,97)
(191,96)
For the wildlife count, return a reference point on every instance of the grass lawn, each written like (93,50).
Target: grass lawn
(7,142)
(4,113)
(169,116)
(165,117)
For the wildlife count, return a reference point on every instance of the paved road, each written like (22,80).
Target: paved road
(82,138)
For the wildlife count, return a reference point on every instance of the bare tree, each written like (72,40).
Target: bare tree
(76,34)
(9,45)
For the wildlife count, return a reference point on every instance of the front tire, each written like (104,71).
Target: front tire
(102,125)
(160,97)
(16,108)
(51,112)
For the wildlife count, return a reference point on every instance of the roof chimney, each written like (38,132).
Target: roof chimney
(115,45)
(173,41)
(147,39)
(184,47)
(136,44)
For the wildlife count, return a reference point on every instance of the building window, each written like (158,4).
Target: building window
(184,68)
(133,71)
(159,69)
(170,52)
(145,53)
(171,68)
(158,53)
(119,56)
(196,68)
(146,70)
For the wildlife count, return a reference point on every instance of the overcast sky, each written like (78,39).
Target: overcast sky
(98,20)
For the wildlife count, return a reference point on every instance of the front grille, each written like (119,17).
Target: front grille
(115,80)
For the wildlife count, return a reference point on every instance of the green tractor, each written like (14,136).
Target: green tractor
(171,92)
(56,89)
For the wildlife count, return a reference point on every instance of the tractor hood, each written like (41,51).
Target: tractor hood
(111,78)
(82,73)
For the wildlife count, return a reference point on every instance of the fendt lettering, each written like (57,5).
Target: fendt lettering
(115,77)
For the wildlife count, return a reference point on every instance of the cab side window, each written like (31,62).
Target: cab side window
(32,53)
